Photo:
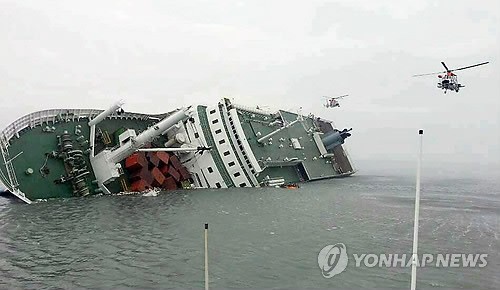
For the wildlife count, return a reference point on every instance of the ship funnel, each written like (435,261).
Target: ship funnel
(335,138)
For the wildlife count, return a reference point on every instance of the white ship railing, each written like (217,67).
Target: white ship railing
(252,110)
(11,175)
(10,179)
(52,115)
(47,117)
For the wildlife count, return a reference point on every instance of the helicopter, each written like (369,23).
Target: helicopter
(332,102)
(449,80)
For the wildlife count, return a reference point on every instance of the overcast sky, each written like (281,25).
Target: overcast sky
(159,55)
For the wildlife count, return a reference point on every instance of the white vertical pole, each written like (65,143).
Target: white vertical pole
(417,209)
(206,256)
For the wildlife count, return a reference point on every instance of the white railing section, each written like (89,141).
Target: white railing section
(47,117)
(53,115)
(252,110)
(11,175)
(11,182)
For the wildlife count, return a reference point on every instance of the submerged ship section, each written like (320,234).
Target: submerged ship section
(80,152)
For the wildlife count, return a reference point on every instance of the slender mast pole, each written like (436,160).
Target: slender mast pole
(417,209)
(206,256)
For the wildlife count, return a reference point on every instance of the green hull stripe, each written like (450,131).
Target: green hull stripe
(202,114)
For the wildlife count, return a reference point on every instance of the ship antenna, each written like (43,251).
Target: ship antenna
(414,259)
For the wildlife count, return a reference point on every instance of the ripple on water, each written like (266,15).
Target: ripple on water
(259,238)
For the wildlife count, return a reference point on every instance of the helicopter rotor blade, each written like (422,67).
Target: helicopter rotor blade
(470,66)
(334,98)
(428,74)
(447,69)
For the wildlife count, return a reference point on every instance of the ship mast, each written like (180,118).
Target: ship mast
(414,259)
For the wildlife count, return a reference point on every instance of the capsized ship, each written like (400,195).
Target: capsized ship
(79,152)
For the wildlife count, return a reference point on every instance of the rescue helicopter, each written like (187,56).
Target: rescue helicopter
(449,80)
(333,102)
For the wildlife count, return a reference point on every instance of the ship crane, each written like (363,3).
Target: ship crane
(180,149)
(106,164)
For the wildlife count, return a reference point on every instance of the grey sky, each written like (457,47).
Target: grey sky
(158,55)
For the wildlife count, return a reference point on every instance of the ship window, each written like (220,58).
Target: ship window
(253,171)
(222,141)
(212,111)
(230,119)
(215,121)
(243,184)
(210,169)
(241,147)
(218,185)
(198,179)
(226,153)
(218,131)
(196,135)
(231,163)
(237,174)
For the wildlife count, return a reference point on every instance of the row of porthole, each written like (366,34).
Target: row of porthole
(210,169)
(219,185)
(236,174)
(239,143)
(226,153)
(243,184)
(222,141)
(241,146)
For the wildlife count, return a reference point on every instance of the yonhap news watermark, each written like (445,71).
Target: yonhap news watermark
(334,259)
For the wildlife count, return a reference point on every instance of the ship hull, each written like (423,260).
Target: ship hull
(62,153)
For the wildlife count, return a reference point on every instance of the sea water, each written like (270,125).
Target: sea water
(258,237)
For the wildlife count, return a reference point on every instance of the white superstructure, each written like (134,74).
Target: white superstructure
(231,162)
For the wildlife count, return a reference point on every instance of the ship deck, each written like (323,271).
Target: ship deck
(28,148)
(282,155)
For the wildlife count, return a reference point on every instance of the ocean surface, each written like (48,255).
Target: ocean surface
(258,237)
